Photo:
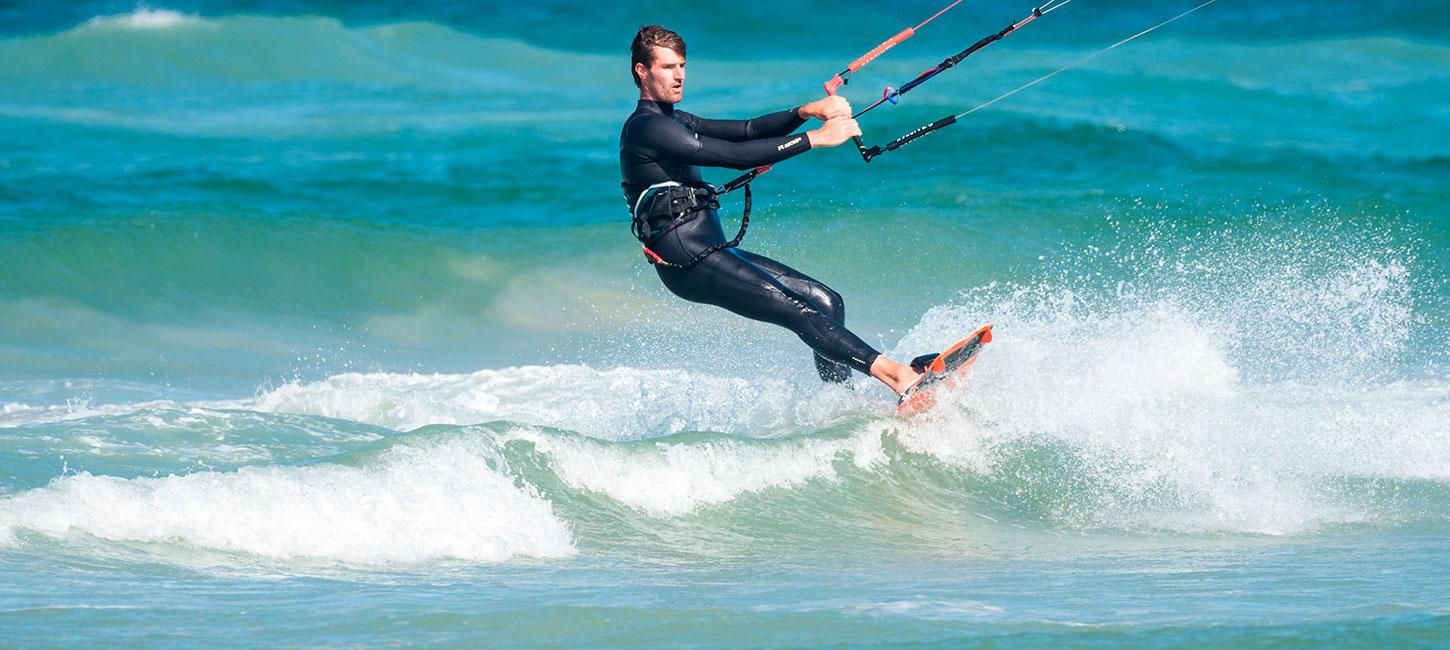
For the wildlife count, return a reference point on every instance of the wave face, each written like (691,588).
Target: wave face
(407,505)
(331,302)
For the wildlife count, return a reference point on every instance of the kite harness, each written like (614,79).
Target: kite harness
(681,203)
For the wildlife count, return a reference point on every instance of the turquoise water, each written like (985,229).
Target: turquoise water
(320,324)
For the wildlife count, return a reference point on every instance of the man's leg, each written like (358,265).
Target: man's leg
(821,296)
(730,280)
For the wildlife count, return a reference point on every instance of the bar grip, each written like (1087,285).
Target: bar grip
(906,139)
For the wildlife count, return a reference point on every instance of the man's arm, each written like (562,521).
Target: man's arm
(674,141)
(770,125)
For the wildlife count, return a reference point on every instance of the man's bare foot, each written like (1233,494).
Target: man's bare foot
(897,376)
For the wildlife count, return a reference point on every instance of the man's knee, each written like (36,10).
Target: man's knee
(831,302)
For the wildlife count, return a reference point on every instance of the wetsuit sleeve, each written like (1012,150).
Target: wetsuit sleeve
(672,140)
(770,125)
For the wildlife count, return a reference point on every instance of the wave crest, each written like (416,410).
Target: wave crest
(448,501)
(144,18)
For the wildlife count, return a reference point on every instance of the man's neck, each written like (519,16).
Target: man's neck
(666,106)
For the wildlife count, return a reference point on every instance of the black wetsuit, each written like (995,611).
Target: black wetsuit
(659,144)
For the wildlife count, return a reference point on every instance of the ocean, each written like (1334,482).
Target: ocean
(321,324)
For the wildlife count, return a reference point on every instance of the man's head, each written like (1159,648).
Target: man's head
(657,58)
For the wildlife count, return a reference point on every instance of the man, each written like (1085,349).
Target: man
(660,151)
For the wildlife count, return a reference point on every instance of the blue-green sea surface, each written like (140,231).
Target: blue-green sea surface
(321,325)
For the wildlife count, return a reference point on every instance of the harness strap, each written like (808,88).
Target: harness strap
(654,258)
(641,229)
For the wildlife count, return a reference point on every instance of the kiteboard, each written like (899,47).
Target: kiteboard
(943,372)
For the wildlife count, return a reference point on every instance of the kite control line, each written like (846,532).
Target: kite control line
(844,77)
(891,94)
(949,120)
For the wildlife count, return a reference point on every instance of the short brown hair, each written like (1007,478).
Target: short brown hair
(652,36)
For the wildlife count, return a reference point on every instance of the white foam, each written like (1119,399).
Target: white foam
(675,478)
(169,433)
(1171,432)
(20,415)
(929,608)
(1242,378)
(617,404)
(415,503)
(145,18)
(15,407)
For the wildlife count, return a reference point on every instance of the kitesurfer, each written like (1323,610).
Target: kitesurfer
(660,152)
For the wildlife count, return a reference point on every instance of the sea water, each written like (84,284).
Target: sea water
(321,324)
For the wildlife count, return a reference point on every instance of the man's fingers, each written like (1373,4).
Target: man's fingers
(828,108)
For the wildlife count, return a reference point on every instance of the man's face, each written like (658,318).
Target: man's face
(664,80)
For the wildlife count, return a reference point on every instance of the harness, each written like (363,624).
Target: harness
(682,204)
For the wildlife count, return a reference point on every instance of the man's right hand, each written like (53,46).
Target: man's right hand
(834,132)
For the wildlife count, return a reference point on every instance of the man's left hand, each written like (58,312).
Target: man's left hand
(826,108)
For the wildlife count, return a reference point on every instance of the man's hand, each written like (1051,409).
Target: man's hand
(826,108)
(834,131)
